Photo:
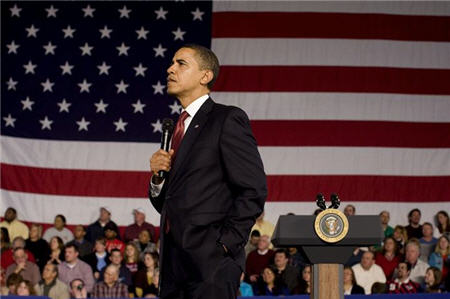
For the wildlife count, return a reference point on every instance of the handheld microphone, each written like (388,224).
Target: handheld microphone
(167,130)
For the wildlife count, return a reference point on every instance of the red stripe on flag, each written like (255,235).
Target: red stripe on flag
(330,25)
(351,133)
(281,188)
(332,79)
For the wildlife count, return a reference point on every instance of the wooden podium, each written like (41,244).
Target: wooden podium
(327,259)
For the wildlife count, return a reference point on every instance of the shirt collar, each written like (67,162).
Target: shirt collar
(195,105)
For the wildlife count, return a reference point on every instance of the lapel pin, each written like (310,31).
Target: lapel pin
(196,126)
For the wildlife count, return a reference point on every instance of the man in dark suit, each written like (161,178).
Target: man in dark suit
(214,189)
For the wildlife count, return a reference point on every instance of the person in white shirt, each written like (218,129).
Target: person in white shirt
(419,267)
(59,230)
(367,272)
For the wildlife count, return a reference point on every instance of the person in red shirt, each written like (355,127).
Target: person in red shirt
(389,257)
(259,259)
(7,257)
(112,242)
(403,284)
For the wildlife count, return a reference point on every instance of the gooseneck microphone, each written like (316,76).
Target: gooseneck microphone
(167,130)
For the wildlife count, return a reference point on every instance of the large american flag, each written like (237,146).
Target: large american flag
(345,97)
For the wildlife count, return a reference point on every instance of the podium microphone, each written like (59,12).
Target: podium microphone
(167,130)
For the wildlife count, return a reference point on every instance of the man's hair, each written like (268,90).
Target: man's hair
(255,233)
(63,218)
(17,249)
(208,61)
(74,246)
(13,279)
(414,210)
(283,251)
(413,242)
(427,223)
(55,268)
(12,209)
(115,250)
(76,279)
(408,265)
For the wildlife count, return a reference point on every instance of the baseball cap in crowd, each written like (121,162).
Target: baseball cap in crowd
(139,210)
(107,209)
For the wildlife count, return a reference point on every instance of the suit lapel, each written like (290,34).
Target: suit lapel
(191,135)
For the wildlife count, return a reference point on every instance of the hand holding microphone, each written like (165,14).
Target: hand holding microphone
(160,161)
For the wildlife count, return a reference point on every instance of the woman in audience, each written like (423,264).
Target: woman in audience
(12,282)
(304,287)
(98,259)
(145,244)
(433,278)
(38,246)
(272,285)
(25,289)
(350,286)
(442,224)
(131,258)
(389,257)
(440,258)
(401,237)
(56,251)
(59,230)
(145,277)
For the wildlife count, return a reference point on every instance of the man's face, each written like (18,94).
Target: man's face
(263,243)
(349,211)
(367,260)
(402,271)
(427,230)
(48,273)
(280,260)
(144,237)
(59,223)
(415,217)
(71,255)
(116,258)
(111,275)
(10,215)
(79,232)
(254,240)
(412,253)
(139,217)
(104,215)
(184,75)
(20,256)
(110,234)
(384,216)
(77,286)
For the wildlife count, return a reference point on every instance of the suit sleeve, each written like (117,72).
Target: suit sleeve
(245,173)
(157,200)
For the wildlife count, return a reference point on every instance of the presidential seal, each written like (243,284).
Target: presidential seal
(331,225)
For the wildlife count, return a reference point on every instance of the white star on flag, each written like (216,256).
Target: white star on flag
(123,49)
(105,32)
(9,120)
(101,106)
(68,32)
(158,88)
(178,34)
(27,104)
(88,11)
(47,85)
(46,123)
(161,13)
(120,125)
(104,68)
(12,47)
(32,31)
(176,108)
(122,87)
(86,50)
(64,106)
(83,124)
(124,12)
(49,48)
(142,33)
(15,11)
(138,106)
(11,84)
(66,68)
(29,68)
(157,126)
(84,86)
(159,51)
(51,12)
(198,15)
(140,70)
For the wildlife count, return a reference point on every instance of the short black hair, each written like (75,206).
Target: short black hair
(408,265)
(208,61)
(74,246)
(281,250)
(63,218)
(255,233)
(414,210)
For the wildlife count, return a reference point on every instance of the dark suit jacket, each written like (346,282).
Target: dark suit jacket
(215,189)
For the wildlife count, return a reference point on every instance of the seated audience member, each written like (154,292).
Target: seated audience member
(110,287)
(132,231)
(3,286)
(263,226)
(7,257)
(73,268)
(288,274)
(112,241)
(367,272)
(350,210)
(433,279)
(378,288)
(98,259)
(96,229)
(418,267)
(252,242)
(22,266)
(272,285)
(56,250)
(131,258)
(259,259)
(50,285)
(350,285)
(145,278)
(15,227)
(124,274)
(25,288)
(442,221)
(388,230)
(145,244)
(401,237)
(388,258)
(78,289)
(5,240)
(59,230)
(414,229)
(427,242)
(403,284)
(440,258)
(245,289)
(84,246)
(12,282)
(304,286)
(38,246)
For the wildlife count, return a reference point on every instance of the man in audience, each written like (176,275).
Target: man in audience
(252,242)
(367,272)
(83,245)
(388,230)
(403,284)
(258,259)
(418,267)
(414,229)
(22,266)
(7,258)
(59,229)
(116,260)
(349,210)
(78,289)
(110,287)
(50,285)
(73,268)
(132,231)
(427,242)
(95,229)
(263,226)
(112,238)
(288,274)
(15,227)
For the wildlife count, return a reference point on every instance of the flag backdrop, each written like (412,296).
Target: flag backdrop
(345,97)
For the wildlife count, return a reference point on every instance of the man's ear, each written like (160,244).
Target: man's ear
(207,77)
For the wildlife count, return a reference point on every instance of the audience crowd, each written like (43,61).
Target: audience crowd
(97,261)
